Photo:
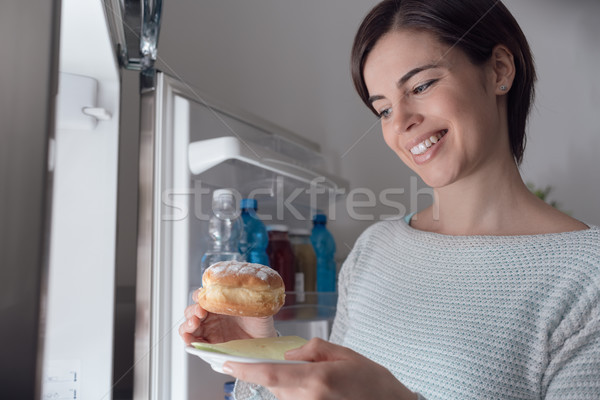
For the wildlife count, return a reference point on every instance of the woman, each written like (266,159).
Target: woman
(488,293)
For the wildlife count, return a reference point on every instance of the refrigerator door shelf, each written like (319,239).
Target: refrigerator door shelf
(205,154)
(307,314)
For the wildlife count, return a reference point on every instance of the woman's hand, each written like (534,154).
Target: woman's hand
(203,326)
(334,372)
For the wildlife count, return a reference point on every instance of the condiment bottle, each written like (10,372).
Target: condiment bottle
(281,255)
(306,260)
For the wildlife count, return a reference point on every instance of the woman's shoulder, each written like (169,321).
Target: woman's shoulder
(386,228)
(582,244)
(547,219)
(582,239)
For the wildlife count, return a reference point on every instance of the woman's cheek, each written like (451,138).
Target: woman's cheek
(393,142)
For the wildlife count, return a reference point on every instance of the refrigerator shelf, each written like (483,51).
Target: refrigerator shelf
(205,154)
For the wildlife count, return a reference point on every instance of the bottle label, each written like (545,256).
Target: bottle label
(299,286)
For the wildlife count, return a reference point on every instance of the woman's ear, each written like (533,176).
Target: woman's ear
(503,65)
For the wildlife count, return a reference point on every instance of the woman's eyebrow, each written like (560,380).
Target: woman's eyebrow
(405,78)
(413,72)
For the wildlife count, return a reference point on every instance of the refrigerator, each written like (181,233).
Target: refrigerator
(106,339)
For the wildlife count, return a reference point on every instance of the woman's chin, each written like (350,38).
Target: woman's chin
(437,181)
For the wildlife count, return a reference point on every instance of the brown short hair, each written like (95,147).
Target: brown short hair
(475,27)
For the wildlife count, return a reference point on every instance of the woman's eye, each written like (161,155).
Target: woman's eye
(421,88)
(385,113)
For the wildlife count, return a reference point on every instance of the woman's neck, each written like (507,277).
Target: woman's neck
(492,202)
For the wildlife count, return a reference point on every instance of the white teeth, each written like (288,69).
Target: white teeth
(419,149)
(427,143)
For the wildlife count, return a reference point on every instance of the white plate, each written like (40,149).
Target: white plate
(216,360)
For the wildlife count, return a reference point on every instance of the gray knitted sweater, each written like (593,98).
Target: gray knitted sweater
(474,317)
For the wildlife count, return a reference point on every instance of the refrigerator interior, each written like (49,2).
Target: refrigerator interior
(199,148)
(281,199)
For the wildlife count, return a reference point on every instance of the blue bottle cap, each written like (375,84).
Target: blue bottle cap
(320,218)
(248,203)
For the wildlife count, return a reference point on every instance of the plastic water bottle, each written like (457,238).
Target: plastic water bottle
(324,246)
(254,241)
(224,230)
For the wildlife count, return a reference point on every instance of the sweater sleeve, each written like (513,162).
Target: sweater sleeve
(250,391)
(574,368)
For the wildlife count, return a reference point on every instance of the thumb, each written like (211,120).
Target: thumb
(318,350)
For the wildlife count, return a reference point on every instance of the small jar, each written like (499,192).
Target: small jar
(306,260)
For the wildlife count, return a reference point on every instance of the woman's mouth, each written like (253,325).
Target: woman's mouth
(427,143)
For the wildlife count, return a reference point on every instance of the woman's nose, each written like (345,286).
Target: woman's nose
(405,118)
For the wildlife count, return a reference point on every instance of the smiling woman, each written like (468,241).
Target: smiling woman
(453,83)
(489,293)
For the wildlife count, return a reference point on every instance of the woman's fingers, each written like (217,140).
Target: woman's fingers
(200,325)
(340,374)
(190,325)
(267,375)
(195,310)
(188,338)
(292,382)
(292,376)
(189,311)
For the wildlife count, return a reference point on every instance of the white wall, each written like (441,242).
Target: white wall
(288,62)
(564,134)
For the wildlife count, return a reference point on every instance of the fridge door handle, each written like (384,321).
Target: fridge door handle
(97,112)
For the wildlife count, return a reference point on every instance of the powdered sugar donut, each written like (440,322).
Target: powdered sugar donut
(241,289)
